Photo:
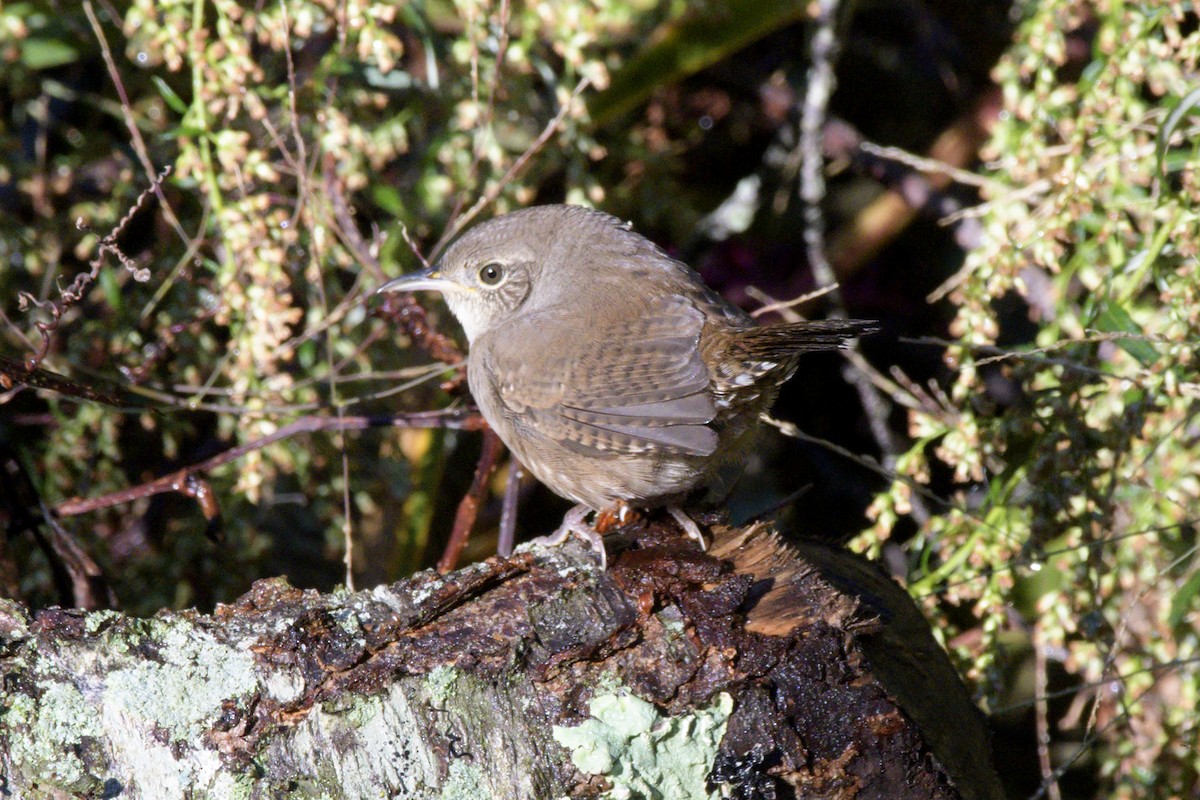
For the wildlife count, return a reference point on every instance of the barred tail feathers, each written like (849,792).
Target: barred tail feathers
(778,342)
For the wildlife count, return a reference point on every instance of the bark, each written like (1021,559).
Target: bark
(756,670)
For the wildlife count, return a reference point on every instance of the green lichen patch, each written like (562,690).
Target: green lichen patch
(60,738)
(365,747)
(181,691)
(465,782)
(440,681)
(641,752)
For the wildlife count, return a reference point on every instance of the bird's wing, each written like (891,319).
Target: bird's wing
(632,384)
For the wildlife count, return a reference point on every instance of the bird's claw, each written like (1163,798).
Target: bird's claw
(688,524)
(575,522)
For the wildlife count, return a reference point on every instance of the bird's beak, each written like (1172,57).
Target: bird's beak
(426,280)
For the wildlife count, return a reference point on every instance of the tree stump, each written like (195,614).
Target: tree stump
(755,670)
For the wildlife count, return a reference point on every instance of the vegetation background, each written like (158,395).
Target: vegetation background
(1026,425)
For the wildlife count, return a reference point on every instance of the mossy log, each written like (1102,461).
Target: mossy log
(755,670)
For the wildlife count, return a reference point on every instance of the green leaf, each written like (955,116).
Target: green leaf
(1115,319)
(41,53)
(1182,601)
(173,100)
(687,45)
(387,198)
(184,131)
(1189,102)
(306,355)
(110,287)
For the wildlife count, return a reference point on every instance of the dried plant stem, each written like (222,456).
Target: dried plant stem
(135,134)
(1042,714)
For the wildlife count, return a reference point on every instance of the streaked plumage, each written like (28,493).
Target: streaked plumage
(609,368)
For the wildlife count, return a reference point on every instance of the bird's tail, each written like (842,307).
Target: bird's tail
(778,342)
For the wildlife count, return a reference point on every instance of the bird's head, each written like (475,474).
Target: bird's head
(522,261)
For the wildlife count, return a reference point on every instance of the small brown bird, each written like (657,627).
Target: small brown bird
(609,368)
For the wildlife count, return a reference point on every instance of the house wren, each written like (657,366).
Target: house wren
(609,368)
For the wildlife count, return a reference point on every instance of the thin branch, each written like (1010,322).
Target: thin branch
(791,430)
(814,113)
(932,165)
(508,512)
(772,305)
(490,195)
(1041,714)
(74,293)
(1040,559)
(921,183)
(1001,354)
(400,308)
(178,481)
(79,580)
(821,80)
(135,134)
(14,375)
(468,507)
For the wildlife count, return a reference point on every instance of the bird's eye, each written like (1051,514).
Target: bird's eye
(491,274)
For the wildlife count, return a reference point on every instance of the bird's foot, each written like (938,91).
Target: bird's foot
(575,522)
(688,524)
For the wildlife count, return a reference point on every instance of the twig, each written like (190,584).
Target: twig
(821,80)
(772,305)
(412,319)
(347,529)
(1093,337)
(303,171)
(1041,714)
(183,265)
(1029,191)
(334,393)
(1017,563)
(177,481)
(157,351)
(884,218)
(484,126)
(346,227)
(16,331)
(135,134)
(412,246)
(490,195)
(79,580)
(1092,734)
(75,292)
(789,429)
(931,165)
(401,308)
(999,354)
(468,507)
(508,511)
(923,190)
(16,374)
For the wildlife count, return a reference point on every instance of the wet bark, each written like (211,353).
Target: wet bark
(756,670)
